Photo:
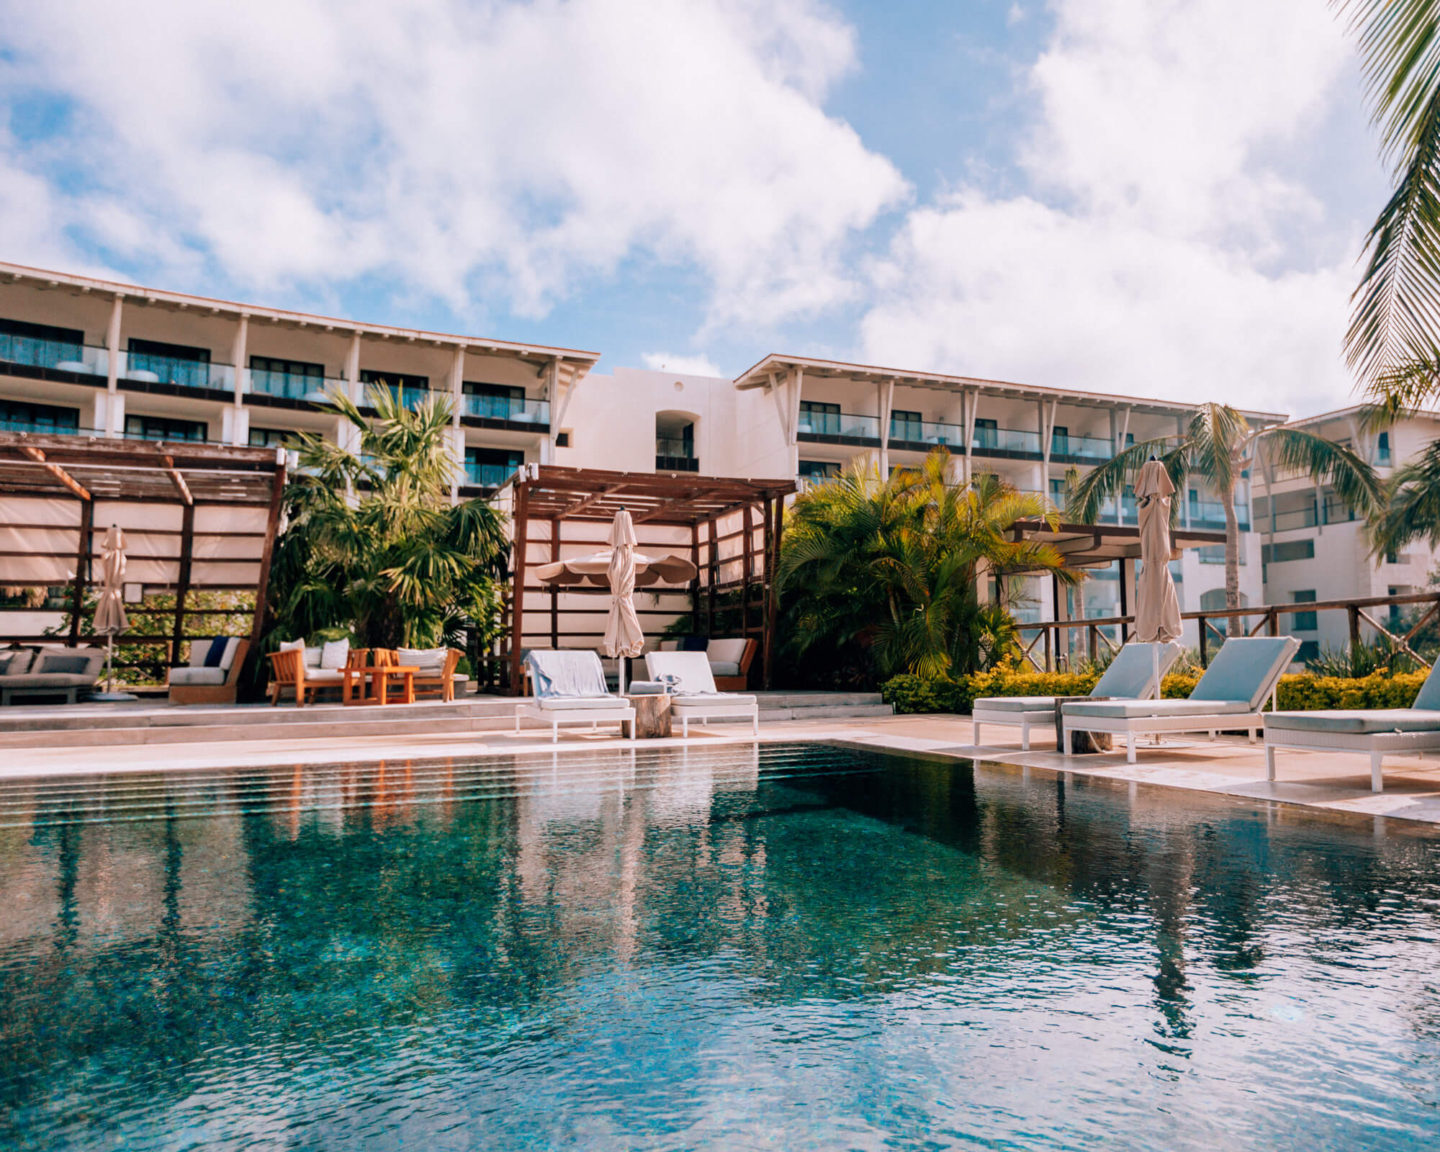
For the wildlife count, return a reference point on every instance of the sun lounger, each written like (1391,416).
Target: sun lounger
(1375,731)
(1228,697)
(696,697)
(1131,676)
(570,689)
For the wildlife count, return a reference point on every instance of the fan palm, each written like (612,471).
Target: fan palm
(891,567)
(1393,342)
(1218,449)
(372,542)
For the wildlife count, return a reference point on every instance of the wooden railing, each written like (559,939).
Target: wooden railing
(1048,649)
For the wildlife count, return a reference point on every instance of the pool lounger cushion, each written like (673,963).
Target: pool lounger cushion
(1371,731)
(570,689)
(696,697)
(1229,696)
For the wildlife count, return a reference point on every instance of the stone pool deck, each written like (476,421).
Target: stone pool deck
(1329,782)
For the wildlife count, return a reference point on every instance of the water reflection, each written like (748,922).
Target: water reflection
(735,925)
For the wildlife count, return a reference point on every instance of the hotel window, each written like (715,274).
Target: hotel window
(1382,450)
(987,433)
(41,345)
(1060,440)
(819,419)
(818,469)
(404,385)
(1289,550)
(164,428)
(169,363)
(293,379)
(1304,621)
(492,401)
(1058,494)
(908,426)
(269,437)
(491,467)
(23,416)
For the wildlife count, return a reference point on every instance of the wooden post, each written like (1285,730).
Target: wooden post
(82,567)
(555,588)
(1274,618)
(182,583)
(517,593)
(1354,614)
(772,598)
(1204,643)
(262,589)
(746,569)
(712,567)
(1124,601)
(695,581)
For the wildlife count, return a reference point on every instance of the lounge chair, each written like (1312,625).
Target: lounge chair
(1228,697)
(213,674)
(1131,676)
(695,694)
(570,689)
(1375,731)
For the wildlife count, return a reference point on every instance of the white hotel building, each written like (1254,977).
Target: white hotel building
(91,357)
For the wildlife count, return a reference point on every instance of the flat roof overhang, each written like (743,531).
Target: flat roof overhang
(759,376)
(1094,545)
(684,498)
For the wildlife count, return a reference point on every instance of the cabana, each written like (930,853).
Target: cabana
(729,528)
(196,517)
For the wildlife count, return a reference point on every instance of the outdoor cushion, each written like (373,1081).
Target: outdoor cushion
(232,649)
(313,656)
(669,646)
(579,703)
(216,651)
(430,661)
(1136,709)
(323,675)
(55,664)
(1429,698)
(724,667)
(567,673)
(694,643)
(1131,674)
(48,680)
(1017,703)
(726,651)
(195,676)
(335,653)
(1245,669)
(15,662)
(708,699)
(1368,721)
(690,669)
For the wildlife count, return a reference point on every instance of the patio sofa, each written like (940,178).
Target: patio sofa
(696,697)
(213,673)
(570,689)
(1131,676)
(729,657)
(1375,731)
(26,673)
(1228,697)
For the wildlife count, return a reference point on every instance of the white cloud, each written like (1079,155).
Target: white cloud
(1163,248)
(520,147)
(681,365)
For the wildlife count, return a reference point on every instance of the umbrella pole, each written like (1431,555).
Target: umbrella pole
(109,662)
(621,665)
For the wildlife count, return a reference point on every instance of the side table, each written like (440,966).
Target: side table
(652,715)
(1085,742)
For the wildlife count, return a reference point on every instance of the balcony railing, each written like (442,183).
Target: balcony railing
(675,455)
(487,475)
(58,354)
(843,425)
(147,367)
(292,386)
(516,410)
(927,432)
(45,427)
(1285,521)
(1007,441)
(1211,514)
(1081,447)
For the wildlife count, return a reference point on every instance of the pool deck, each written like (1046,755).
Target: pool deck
(1330,782)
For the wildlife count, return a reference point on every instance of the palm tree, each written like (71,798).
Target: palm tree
(1219,447)
(891,566)
(1412,507)
(1393,342)
(372,543)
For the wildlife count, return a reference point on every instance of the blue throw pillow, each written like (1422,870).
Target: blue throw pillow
(694,643)
(217,651)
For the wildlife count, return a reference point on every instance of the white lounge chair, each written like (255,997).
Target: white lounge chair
(570,689)
(696,697)
(1228,697)
(1131,676)
(1375,731)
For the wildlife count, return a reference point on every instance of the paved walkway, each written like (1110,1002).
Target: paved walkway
(1332,782)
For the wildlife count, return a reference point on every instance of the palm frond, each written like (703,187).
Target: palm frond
(1354,481)
(1108,480)
(1411,510)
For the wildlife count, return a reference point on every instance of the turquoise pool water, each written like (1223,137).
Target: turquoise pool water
(794,948)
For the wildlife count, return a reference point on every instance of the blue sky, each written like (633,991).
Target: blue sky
(1156,197)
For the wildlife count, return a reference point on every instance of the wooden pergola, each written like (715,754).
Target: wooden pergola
(729,528)
(195,517)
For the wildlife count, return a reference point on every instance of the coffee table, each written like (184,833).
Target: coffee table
(371,685)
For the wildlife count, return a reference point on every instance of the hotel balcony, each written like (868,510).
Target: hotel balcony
(675,455)
(139,369)
(486,476)
(51,359)
(838,428)
(293,386)
(483,410)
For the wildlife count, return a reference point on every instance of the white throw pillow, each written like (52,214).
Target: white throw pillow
(430,661)
(291,645)
(334,654)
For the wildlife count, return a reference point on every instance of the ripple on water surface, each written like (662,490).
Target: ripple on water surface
(722,947)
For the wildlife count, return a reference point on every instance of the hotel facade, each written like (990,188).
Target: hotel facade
(94,358)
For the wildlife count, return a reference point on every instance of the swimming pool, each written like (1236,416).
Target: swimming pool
(716,947)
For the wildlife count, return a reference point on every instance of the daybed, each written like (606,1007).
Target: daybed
(696,697)
(570,689)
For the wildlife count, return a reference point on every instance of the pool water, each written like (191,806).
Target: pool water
(789,947)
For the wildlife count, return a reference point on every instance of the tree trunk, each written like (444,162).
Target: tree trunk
(1232,555)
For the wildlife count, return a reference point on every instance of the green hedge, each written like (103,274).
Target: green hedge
(1303,693)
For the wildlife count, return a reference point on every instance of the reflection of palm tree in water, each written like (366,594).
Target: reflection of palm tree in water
(67,871)
(1169,883)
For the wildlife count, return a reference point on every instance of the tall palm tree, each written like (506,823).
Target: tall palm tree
(1219,447)
(891,566)
(1412,507)
(372,542)
(1393,342)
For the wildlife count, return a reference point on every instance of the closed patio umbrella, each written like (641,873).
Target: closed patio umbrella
(1157,608)
(623,637)
(110,616)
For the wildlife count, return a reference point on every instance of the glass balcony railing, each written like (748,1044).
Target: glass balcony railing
(927,432)
(1285,521)
(1210,514)
(673,454)
(45,428)
(488,475)
(517,410)
(58,354)
(1007,440)
(292,386)
(843,424)
(1081,447)
(147,367)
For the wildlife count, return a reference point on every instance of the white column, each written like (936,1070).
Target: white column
(352,369)
(114,408)
(457,379)
(240,428)
(885,401)
(235,425)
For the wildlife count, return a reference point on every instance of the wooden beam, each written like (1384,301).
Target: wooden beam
(82,568)
(262,589)
(588,501)
(517,594)
(55,470)
(182,588)
(179,481)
